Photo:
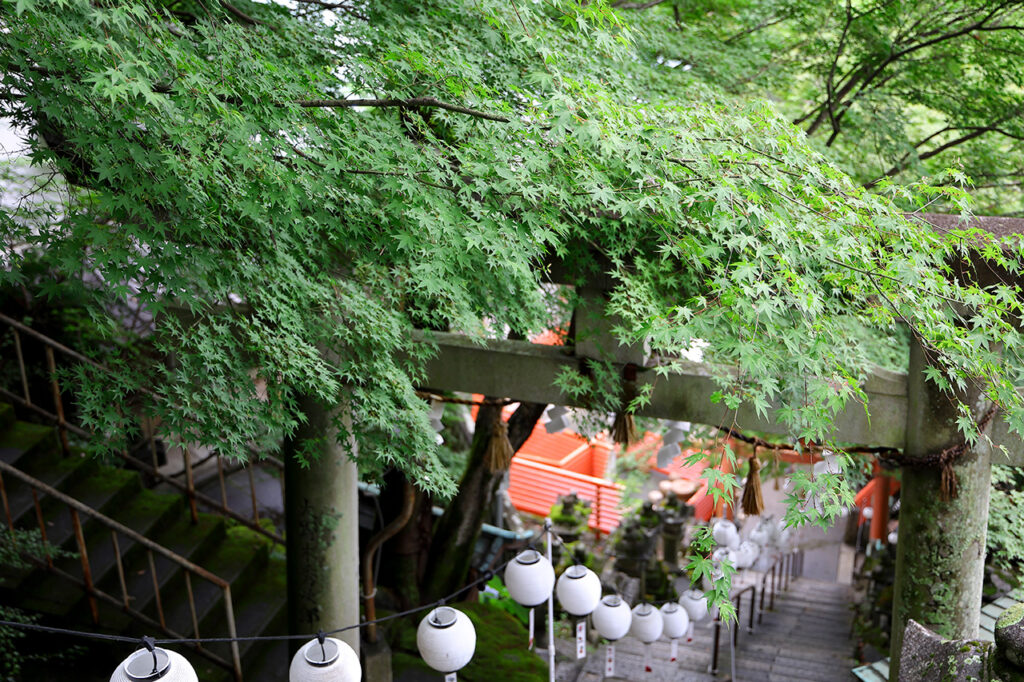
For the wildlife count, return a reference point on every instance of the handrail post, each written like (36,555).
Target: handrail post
(229,611)
(125,599)
(21,366)
(42,527)
(736,624)
(252,494)
(7,510)
(86,569)
(771,599)
(62,426)
(753,607)
(760,610)
(190,484)
(714,648)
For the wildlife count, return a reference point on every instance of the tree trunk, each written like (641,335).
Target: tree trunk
(322,523)
(451,550)
(940,554)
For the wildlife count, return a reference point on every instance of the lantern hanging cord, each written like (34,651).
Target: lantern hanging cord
(147,642)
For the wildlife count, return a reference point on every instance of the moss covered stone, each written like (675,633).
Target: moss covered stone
(1010,635)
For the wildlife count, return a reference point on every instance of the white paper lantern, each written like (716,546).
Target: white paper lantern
(647,623)
(578,590)
(828,465)
(446,639)
(719,556)
(725,534)
(695,604)
(334,661)
(530,578)
(868,513)
(893,537)
(747,554)
(676,620)
(762,533)
(612,618)
(159,664)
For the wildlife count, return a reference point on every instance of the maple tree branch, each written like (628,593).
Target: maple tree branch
(412,102)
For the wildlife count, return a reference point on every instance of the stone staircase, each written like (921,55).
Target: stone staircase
(247,560)
(806,637)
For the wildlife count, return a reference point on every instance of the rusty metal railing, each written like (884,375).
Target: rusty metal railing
(56,416)
(778,578)
(124,602)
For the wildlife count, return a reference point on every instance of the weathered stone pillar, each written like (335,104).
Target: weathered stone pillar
(322,522)
(940,556)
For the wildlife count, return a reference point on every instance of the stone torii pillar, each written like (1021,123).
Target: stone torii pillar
(940,556)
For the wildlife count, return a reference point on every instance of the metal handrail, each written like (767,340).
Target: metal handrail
(785,567)
(93,592)
(57,417)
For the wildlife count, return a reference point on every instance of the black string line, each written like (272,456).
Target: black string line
(484,578)
(146,641)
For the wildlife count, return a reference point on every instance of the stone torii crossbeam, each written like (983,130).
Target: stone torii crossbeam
(941,553)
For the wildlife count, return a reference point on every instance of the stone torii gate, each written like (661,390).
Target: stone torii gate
(941,553)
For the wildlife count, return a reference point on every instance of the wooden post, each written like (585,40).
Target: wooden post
(940,556)
(322,520)
(880,505)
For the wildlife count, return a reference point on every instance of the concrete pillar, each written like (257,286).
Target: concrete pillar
(322,522)
(940,556)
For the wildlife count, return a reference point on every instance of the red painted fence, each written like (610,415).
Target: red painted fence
(534,488)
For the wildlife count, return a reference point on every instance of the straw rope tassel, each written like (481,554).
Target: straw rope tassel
(499,450)
(753,500)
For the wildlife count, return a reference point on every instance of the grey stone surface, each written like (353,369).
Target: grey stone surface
(376,661)
(926,657)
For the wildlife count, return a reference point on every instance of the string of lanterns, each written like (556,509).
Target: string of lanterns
(446,640)
(446,637)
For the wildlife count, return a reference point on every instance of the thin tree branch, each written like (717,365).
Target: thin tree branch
(412,102)
(636,5)
(239,14)
(754,29)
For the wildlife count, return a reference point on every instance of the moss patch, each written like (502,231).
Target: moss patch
(500,648)
(1011,616)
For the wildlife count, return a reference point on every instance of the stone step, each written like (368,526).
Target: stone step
(259,610)
(143,512)
(6,416)
(175,532)
(238,559)
(233,553)
(103,490)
